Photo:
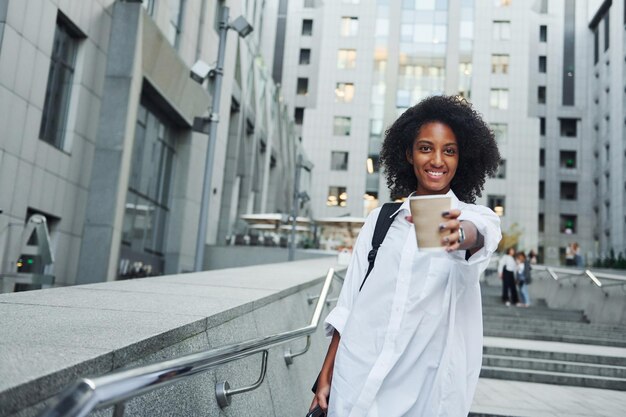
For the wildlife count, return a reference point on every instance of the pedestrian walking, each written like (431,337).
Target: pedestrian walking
(506,271)
(578,258)
(408,341)
(570,255)
(523,271)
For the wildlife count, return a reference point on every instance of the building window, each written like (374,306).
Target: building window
(496,203)
(349,26)
(568,127)
(465,79)
(501,30)
(499,64)
(339,161)
(568,224)
(149,6)
(569,191)
(596,45)
(176,21)
(569,53)
(543,64)
(341,126)
(500,131)
(606,30)
(542,190)
(346,58)
(542,222)
(60,78)
(542,126)
(543,7)
(337,196)
(499,98)
(542,157)
(149,184)
(307,27)
(305,56)
(344,92)
(567,159)
(303,86)
(372,164)
(298,115)
(501,173)
(543,33)
(541,94)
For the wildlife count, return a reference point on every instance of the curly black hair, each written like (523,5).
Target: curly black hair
(478,151)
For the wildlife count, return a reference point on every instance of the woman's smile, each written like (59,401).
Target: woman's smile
(434,157)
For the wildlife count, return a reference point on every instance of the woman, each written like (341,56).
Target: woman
(522,274)
(410,342)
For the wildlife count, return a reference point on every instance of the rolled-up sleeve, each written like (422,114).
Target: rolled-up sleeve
(336,319)
(488,225)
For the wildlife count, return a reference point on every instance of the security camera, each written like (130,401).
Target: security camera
(200,71)
(242,26)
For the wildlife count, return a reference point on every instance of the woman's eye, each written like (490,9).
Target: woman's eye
(450,151)
(424,148)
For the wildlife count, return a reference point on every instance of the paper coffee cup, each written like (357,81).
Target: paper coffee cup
(426,211)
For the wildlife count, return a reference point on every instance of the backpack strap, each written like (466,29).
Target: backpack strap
(383,223)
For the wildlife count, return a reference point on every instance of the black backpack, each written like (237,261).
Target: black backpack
(383,223)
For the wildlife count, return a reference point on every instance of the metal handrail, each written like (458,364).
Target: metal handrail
(90,393)
(569,273)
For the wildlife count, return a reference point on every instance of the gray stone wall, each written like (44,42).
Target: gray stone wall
(601,305)
(52,337)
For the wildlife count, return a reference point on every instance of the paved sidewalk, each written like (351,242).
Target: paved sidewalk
(527,399)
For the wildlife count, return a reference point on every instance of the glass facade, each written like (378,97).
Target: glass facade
(422,60)
(344,92)
(176,21)
(147,199)
(59,87)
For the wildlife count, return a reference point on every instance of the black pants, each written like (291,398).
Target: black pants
(508,286)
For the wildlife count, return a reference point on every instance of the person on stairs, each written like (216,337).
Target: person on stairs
(408,341)
(506,271)
(522,282)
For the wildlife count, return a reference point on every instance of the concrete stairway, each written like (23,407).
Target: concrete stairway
(551,346)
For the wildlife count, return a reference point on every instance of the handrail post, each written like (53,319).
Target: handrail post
(289,356)
(223,391)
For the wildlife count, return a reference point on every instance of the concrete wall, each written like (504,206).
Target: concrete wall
(219,257)
(601,305)
(52,337)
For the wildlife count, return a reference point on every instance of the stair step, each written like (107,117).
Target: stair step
(554,378)
(555,356)
(550,365)
(489,415)
(538,312)
(550,328)
(608,328)
(555,337)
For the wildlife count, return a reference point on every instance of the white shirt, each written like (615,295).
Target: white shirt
(411,340)
(507,262)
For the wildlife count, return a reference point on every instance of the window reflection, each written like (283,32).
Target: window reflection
(147,202)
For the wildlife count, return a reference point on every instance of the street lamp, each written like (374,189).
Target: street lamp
(209,125)
(297,197)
